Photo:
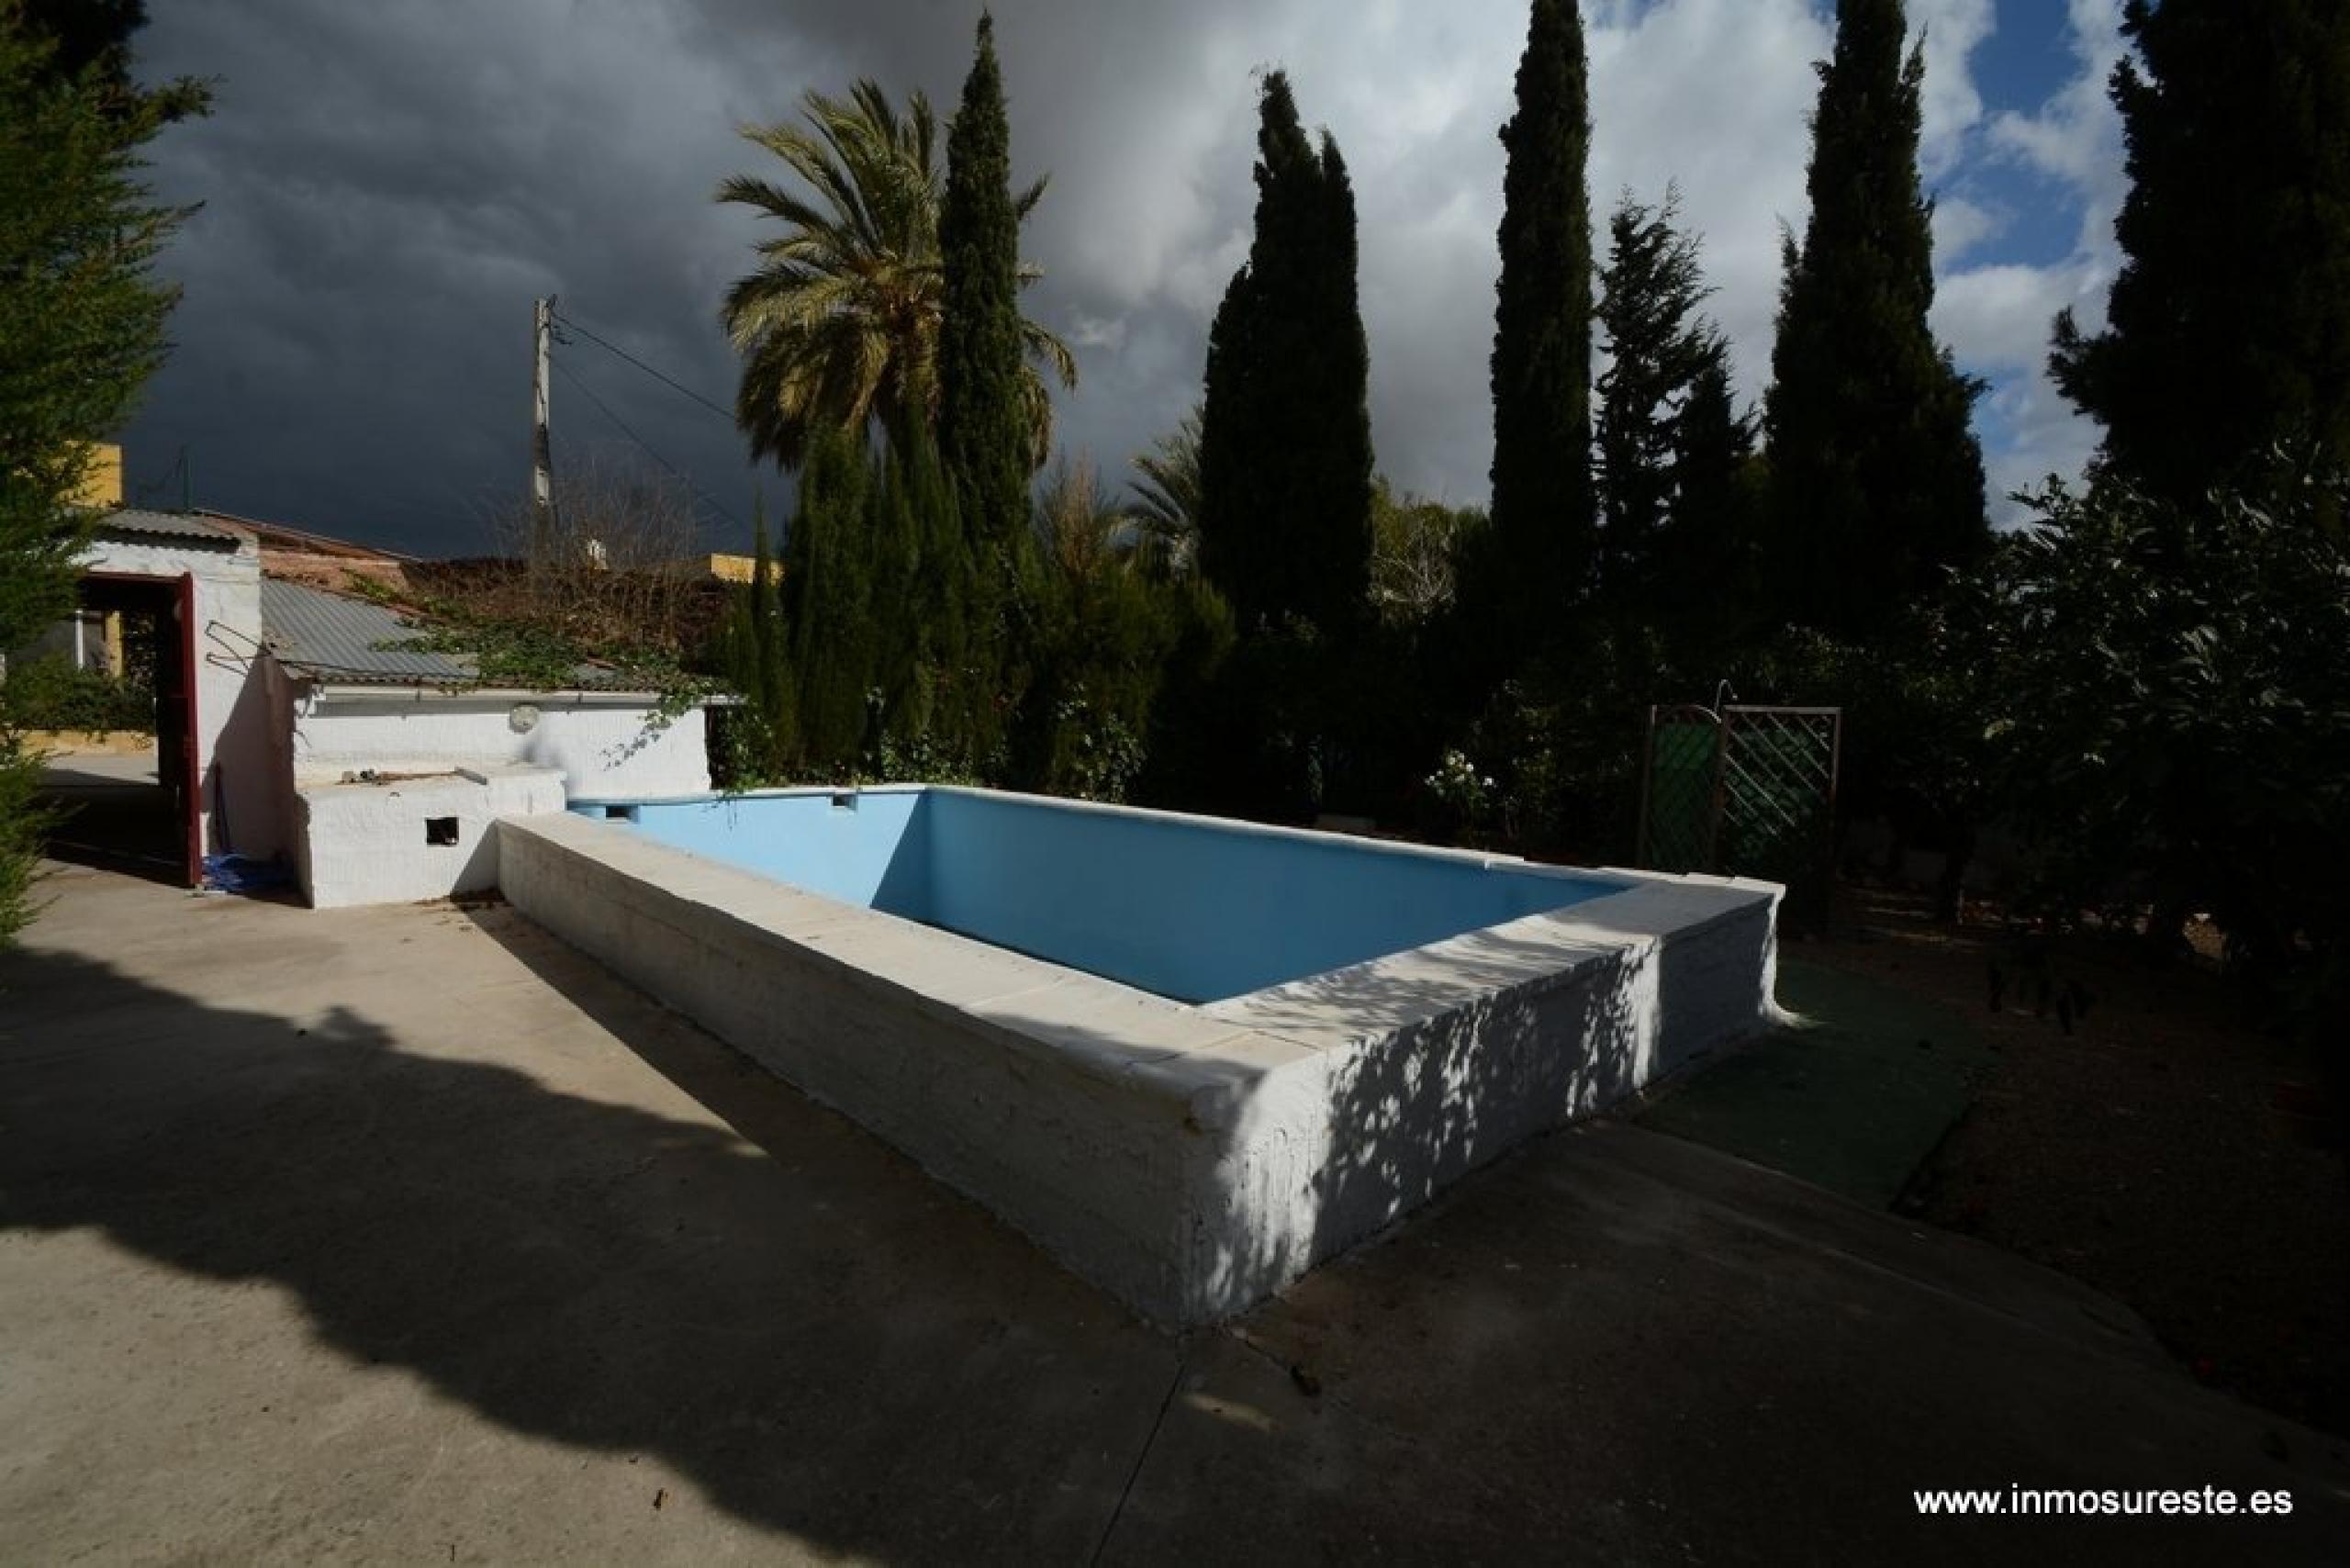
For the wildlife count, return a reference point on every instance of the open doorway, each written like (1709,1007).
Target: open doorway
(122,760)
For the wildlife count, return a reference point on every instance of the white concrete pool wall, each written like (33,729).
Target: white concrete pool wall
(1190,1159)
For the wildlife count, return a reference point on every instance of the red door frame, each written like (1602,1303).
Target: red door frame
(182,591)
(186,602)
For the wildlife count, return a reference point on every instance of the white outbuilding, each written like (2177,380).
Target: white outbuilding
(305,727)
(399,757)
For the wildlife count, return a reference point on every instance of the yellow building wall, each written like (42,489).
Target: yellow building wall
(724,568)
(101,486)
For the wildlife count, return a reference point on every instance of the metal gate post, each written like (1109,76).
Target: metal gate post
(1720,795)
(1648,780)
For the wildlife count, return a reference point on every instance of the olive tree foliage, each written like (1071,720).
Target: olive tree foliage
(1416,551)
(2176,707)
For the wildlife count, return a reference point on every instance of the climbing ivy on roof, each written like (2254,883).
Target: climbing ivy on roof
(537,658)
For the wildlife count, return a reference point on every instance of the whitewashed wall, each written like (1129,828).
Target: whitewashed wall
(602,745)
(260,733)
(244,798)
(365,844)
(1191,1160)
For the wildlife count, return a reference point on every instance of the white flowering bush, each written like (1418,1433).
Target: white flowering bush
(1462,790)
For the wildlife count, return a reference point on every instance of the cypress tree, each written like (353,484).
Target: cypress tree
(879,668)
(828,605)
(893,542)
(1543,501)
(984,421)
(87,42)
(758,661)
(1878,480)
(81,315)
(1657,349)
(765,620)
(1286,455)
(1333,563)
(82,324)
(82,35)
(2230,319)
(948,705)
(1710,550)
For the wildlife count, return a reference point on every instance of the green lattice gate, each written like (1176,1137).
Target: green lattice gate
(1744,791)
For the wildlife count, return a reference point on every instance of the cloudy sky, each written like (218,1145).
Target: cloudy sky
(388,184)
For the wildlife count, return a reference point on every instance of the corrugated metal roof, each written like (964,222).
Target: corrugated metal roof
(329,637)
(283,536)
(167,525)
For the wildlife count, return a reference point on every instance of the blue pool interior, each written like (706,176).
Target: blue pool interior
(1187,908)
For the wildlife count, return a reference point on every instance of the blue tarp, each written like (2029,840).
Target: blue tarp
(243,874)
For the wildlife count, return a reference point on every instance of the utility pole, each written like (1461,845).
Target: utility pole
(541,455)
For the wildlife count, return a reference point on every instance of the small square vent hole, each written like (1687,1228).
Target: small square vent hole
(439,830)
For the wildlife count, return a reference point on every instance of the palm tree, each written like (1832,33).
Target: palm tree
(839,325)
(1083,531)
(1166,510)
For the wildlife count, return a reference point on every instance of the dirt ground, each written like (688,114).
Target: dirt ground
(2143,1152)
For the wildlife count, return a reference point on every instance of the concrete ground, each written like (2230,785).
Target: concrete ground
(408,1234)
(120,817)
(96,773)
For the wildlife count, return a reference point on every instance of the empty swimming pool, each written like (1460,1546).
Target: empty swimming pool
(1192,908)
(1191,1057)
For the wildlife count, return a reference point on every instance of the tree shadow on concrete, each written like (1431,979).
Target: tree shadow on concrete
(828,1343)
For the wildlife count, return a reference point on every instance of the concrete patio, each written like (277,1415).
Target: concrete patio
(410,1235)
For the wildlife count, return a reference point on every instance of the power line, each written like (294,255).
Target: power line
(677,473)
(667,380)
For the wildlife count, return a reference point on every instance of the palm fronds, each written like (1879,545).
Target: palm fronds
(838,326)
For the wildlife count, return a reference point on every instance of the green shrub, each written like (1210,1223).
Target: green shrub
(25,824)
(53,693)
(2178,707)
(1114,646)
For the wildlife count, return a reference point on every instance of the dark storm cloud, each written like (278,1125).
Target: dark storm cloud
(386,190)
(387,186)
